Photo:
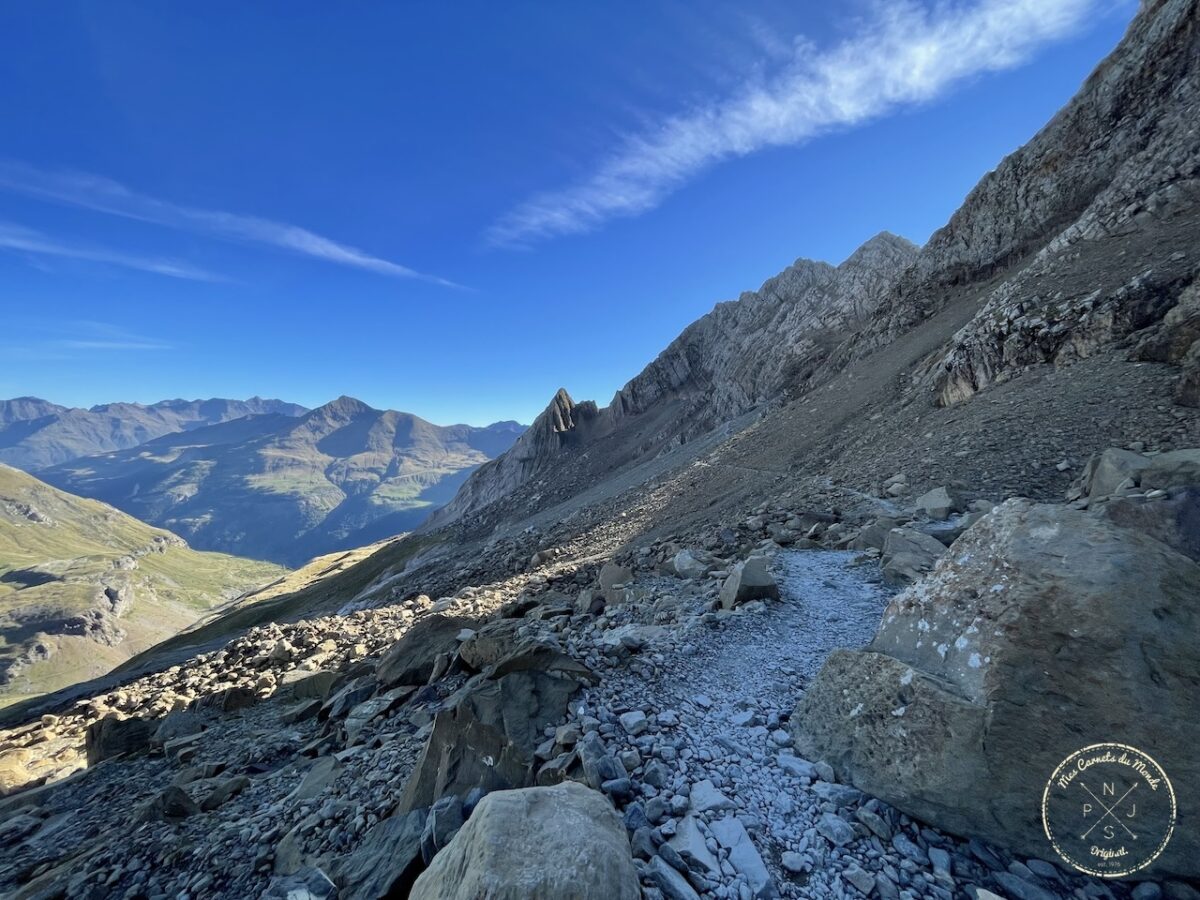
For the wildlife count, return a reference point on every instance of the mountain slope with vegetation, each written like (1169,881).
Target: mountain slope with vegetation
(83,586)
(36,434)
(287,489)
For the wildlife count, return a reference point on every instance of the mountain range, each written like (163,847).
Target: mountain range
(36,434)
(288,487)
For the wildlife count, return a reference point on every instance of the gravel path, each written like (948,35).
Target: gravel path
(692,733)
(718,701)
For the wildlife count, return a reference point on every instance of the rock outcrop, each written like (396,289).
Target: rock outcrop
(564,423)
(1044,629)
(486,733)
(540,843)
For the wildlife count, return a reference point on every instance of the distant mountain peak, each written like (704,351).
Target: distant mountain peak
(345,405)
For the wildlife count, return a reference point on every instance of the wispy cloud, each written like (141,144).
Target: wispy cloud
(26,240)
(107,196)
(906,53)
(54,339)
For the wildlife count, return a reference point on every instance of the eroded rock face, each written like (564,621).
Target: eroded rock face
(1043,630)
(1094,176)
(540,843)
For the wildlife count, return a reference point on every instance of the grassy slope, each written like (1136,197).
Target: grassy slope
(59,552)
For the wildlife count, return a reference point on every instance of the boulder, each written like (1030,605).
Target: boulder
(13,772)
(411,659)
(909,554)
(1048,629)
(301,684)
(539,843)
(1174,519)
(500,638)
(613,574)
(688,564)
(444,820)
(1110,469)
(873,536)
(744,856)
(177,724)
(941,503)
(1187,391)
(1174,469)
(749,580)
(223,791)
(386,861)
(170,803)
(226,700)
(114,736)
(1113,470)
(485,735)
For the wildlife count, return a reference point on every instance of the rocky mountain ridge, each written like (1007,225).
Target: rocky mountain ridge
(713,372)
(1097,205)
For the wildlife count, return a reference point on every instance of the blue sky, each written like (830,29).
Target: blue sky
(455,209)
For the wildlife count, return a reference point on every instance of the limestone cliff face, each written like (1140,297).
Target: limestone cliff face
(1092,223)
(744,353)
(749,350)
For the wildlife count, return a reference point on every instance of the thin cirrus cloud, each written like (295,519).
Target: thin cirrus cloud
(30,341)
(107,196)
(26,240)
(907,53)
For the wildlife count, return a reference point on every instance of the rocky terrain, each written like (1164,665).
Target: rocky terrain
(36,434)
(287,488)
(84,587)
(815,617)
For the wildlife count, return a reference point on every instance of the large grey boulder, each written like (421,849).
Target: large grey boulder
(690,564)
(1173,519)
(542,843)
(501,638)
(1172,469)
(749,580)
(1111,469)
(1048,629)
(411,659)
